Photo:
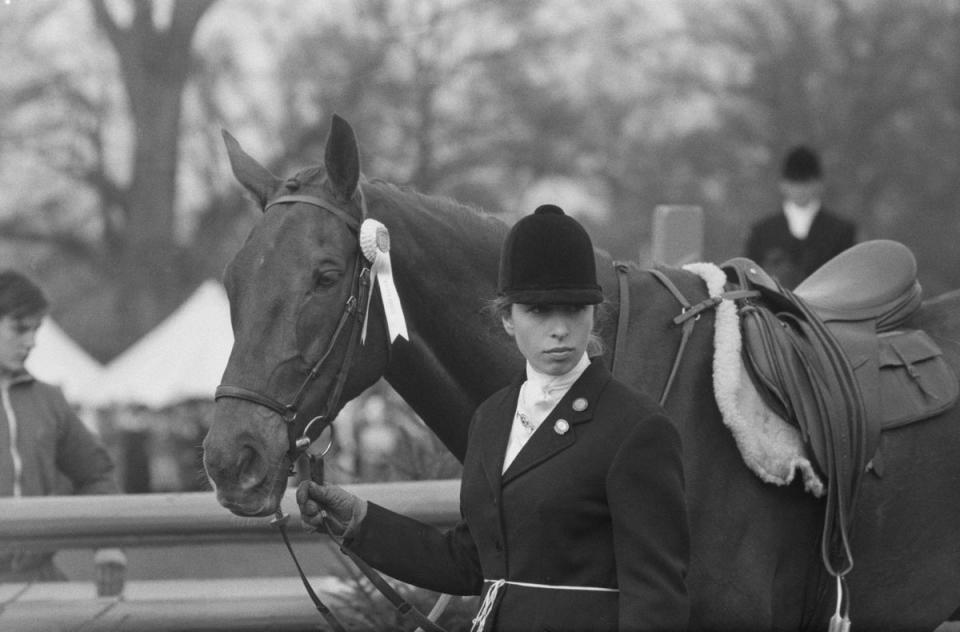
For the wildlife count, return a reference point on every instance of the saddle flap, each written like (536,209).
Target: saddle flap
(915,380)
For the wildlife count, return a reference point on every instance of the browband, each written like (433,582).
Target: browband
(351,221)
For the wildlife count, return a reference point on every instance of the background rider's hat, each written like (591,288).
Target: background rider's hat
(801,164)
(548,258)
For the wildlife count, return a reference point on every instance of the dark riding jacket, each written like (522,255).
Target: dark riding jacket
(791,260)
(599,505)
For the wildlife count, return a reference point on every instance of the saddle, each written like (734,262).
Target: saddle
(863,296)
(832,358)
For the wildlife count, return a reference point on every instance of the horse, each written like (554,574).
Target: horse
(755,547)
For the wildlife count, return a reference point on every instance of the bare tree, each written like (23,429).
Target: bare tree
(139,219)
(112,232)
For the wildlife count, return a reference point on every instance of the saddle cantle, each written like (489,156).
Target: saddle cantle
(874,280)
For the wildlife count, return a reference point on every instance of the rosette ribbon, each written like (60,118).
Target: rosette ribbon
(375,245)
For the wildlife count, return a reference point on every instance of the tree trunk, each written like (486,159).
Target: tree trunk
(155,65)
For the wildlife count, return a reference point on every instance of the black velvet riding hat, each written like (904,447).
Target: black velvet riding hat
(547,258)
(801,164)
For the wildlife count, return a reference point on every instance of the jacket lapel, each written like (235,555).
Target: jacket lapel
(554,436)
(494,433)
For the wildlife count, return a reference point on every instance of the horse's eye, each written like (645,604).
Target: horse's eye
(325,279)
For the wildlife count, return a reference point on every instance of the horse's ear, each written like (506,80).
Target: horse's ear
(342,158)
(251,174)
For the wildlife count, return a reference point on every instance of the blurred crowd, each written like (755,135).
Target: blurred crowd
(377,438)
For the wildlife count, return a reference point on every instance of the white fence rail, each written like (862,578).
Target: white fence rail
(271,603)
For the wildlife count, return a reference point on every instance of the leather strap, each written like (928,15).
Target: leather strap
(403,606)
(623,319)
(687,323)
(688,317)
(280,521)
(319,202)
(238,392)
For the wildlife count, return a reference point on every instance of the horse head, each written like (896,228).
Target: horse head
(298,290)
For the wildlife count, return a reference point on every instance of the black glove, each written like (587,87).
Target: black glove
(343,510)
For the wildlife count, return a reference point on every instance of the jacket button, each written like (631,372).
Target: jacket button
(498,545)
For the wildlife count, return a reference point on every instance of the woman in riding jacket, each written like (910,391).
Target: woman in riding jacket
(572,499)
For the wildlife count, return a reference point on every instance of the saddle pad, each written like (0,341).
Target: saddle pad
(915,380)
(772,448)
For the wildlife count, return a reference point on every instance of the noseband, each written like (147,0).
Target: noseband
(350,323)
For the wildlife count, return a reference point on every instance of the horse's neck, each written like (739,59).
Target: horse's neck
(650,344)
(444,259)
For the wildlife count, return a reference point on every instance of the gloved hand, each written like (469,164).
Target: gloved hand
(343,510)
(111,571)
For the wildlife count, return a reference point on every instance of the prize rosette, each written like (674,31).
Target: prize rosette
(375,246)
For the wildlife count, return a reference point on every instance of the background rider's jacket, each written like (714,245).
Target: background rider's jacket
(600,505)
(791,260)
(54,453)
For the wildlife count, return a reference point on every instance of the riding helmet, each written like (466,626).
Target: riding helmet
(801,164)
(548,258)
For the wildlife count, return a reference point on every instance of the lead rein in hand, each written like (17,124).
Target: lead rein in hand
(404,607)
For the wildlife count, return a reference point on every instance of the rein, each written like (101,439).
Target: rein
(353,314)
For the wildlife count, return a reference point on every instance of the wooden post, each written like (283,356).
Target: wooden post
(677,234)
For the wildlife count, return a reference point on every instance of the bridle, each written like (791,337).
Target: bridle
(300,437)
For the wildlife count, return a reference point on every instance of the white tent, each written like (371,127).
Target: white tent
(58,359)
(182,358)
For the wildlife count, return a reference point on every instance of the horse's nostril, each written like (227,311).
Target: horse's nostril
(249,466)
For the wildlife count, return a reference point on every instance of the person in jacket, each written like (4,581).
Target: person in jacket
(803,235)
(44,447)
(572,492)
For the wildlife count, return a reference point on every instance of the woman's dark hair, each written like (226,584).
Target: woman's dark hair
(500,307)
(19,296)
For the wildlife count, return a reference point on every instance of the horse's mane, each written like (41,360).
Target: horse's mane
(409,197)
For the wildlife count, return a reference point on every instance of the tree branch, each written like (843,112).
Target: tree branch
(68,243)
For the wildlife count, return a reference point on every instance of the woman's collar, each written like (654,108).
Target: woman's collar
(545,381)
